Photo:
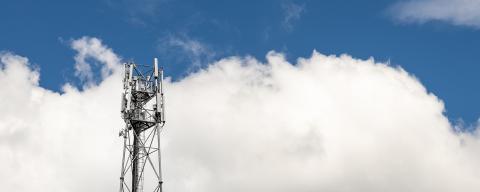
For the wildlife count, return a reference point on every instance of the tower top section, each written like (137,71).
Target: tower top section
(142,84)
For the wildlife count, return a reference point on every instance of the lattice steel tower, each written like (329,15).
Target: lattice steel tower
(143,113)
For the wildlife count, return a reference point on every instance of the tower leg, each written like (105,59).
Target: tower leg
(122,173)
(138,161)
(160,179)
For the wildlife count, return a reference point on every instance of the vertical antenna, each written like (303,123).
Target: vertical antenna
(159,115)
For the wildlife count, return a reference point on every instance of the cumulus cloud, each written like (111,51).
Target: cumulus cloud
(457,12)
(92,49)
(49,141)
(292,12)
(325,123)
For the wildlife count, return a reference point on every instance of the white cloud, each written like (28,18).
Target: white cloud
(52,141)
(92,48)
(292,12)
(326,123)
(457,12)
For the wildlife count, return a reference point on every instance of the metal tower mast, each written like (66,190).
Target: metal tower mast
(144,120)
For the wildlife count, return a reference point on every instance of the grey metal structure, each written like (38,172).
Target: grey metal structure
(144,116)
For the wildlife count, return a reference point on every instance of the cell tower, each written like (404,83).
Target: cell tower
(144,120)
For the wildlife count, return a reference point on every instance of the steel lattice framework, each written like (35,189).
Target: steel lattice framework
(144,119)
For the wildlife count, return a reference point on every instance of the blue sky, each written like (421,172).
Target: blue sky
(439,48)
